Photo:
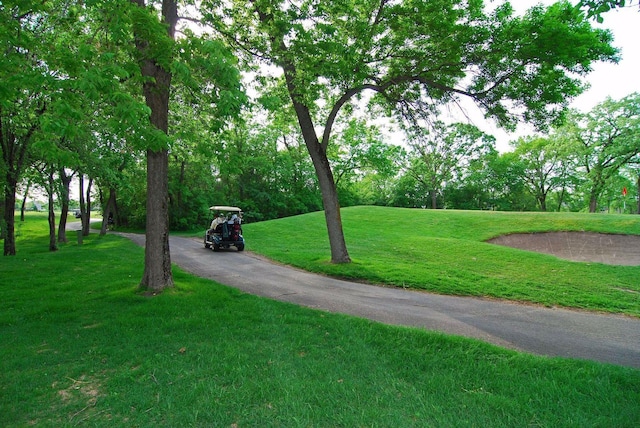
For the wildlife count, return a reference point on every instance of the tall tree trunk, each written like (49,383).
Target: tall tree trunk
(86,219)
(638,191)
(157,263)
(9,217)
(3,230)
(593,202)
(542,200)
(53,246)
(14,156)
(110,213)
(24,200)
(434,199)
(561,198)
(64,203)
(83,206)
(330,202)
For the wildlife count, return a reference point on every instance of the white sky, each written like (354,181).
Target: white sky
(606,80)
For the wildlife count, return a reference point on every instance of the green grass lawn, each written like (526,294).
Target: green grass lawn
(81,347)
(445,252)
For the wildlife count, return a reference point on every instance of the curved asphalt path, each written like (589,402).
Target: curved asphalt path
(529,328)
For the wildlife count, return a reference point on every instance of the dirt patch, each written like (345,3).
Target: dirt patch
(578,246)
(82,395)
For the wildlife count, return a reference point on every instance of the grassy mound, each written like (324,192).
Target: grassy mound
(445,252)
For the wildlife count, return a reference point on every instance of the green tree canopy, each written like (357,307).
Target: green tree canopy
(545,165)
(604,140)
(442,154)
(595,8)
(415,55)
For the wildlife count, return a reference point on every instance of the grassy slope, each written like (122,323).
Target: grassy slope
(79,347)
(444,252)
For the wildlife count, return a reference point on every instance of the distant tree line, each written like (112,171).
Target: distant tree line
(261,165)
(590,163)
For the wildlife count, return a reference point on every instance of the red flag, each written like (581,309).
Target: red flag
(624,191)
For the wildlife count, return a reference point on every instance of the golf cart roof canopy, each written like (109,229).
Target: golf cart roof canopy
(224,208)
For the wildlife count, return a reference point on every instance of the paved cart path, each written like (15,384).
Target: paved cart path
(534,329)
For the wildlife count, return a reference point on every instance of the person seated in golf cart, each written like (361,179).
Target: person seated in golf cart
(225,230)
(216,224)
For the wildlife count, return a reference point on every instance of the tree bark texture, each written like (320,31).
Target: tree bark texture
(9,218)
(53,245)
(64,201)
(110,212)
(330,202)
(24,200)
(14,154)
(83,205)
(638,189)
(86,219)
(157,262)
(593,202)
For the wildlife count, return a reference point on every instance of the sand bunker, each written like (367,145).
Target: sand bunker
(578,246)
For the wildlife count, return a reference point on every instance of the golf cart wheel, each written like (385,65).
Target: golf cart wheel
(240,247)
(216,247)
(207,245)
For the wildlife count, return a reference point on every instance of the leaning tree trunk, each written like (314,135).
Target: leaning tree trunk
(24,200)
(331,204)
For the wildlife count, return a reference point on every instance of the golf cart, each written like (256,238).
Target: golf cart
(226,228)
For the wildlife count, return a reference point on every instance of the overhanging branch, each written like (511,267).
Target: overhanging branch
(382,88)
(338,105)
